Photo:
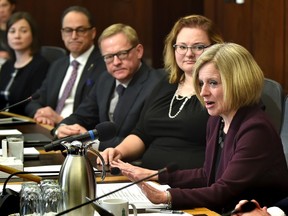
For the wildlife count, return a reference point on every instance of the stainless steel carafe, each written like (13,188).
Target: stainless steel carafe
(77,178)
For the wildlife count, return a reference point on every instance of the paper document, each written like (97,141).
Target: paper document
(133,194)
(51,170)
(5,120)
(28,151)
(14,187)
(9,132)
(13,120)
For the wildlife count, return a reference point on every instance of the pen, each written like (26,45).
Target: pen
(166,211)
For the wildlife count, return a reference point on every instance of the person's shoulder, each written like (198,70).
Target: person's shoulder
(57,67)
(162,86)
(152,72)
(8,65)
(106,76)
(254,119)
(103,81)
(60,62)
(162,73)
(153,77)
(163,78)
(96,53)
(95,61)
(6,69)
(41,60)
(37,68)
(252,115)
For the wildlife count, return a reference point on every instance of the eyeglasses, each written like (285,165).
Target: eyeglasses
(120,55)
(196,49)
(80,31)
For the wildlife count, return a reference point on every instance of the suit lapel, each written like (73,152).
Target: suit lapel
(105,98)
(212,148)
(58,80)
(89,67)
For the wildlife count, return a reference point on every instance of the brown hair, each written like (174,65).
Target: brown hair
(192,21)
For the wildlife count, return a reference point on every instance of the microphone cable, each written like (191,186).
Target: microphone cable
(169,168)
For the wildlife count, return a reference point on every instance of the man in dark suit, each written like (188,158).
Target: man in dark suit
(122,54)
(56,101)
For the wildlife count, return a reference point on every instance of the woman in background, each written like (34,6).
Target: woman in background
(23,74)
(7,7)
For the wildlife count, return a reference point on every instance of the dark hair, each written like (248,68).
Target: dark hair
(15,17)
(79,9)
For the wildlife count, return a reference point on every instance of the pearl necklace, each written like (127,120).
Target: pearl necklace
(179,98)
(181,107)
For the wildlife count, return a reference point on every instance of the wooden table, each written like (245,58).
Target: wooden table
(56,158)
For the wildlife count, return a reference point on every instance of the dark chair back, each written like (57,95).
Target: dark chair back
(284,129)
(52,53)
(273,99)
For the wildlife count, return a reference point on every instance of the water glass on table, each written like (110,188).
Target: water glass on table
(30,199)
(51,197)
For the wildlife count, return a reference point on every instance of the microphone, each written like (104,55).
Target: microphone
(115,171)
(103,131)
(32,97)
(246,207)
(170,168)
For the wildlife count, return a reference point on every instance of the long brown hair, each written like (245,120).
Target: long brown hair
(192,21)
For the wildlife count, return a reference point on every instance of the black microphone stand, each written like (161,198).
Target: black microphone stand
(32,97)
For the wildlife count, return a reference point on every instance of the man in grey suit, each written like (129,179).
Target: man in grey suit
(122,53)
(56,101)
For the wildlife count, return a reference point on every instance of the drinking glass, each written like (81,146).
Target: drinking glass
(30,199)
(51,199)
(47,182)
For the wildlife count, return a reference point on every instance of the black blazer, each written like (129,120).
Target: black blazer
(50,88)
(95,107)
(28,79)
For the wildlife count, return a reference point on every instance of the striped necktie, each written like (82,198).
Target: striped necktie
(68,87)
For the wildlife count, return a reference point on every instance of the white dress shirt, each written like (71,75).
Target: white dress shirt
(82,59)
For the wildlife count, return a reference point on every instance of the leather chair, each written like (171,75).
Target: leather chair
(284,129)
(51,53)
(273,100)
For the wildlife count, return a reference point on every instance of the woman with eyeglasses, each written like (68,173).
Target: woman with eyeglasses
(24,72)
(244,156)
(172,125)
